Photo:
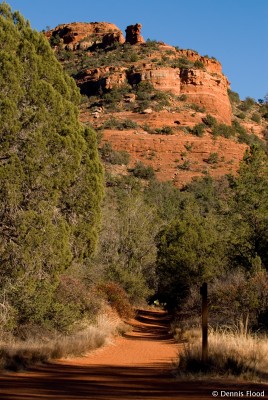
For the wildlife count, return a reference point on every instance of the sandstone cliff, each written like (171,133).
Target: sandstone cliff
(151,100)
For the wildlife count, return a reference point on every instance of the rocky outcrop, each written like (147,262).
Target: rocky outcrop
(208,91)
(133,35)
(78,35)
(210,63)
(96,80)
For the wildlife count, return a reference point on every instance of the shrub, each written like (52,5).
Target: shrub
(165,130)
(112,156)
(185,165)
(247,104)
(182,62)
(144,90)
(142,171)
(188,146)
(117,298)
(213,158)
(197,108)
(223,130)
(54,40)
(241,115)
(198,130)
(256,117)
(209,120)
(198,64)
(114,123)
(233,96)
(182,97)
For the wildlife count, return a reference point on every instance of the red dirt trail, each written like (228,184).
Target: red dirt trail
(136,366)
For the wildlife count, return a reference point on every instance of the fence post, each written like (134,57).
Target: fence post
(204,294)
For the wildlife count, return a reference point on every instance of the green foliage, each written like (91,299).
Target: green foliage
(142,171)
(112,156)
(182,62)
(54,40)
(256,117)
(241,115)
(247,104)
(50,174)
(233,96)
(198,130)
(213,158)
(198,64)
(182,97)
(197,108)
(185,166)
(165,130)
(114,123)
(250,209)
(223,130)
(209,121)
(189,251)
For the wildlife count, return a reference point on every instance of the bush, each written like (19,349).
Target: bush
(233,96)
(165,130)
(241,115)
(209,120)
(142,171)
(114,123)
(117,298)
(197,108)
(198,64)
(185,165)
(198,130)
(247,104)
(112,156)
(256,117)
(182,97)
(213,158)
(223,130)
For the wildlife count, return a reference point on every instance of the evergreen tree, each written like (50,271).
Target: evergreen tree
(191,249)
(250,210)
(50,174)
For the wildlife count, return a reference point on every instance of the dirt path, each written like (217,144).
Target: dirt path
(136,366)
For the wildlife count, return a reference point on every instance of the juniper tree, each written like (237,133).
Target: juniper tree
(50,174)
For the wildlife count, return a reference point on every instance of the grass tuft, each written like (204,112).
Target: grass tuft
(232,353)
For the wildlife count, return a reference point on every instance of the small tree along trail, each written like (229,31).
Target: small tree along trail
(136,366)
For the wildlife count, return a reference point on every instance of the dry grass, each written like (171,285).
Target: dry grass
(232,353)
(16,355)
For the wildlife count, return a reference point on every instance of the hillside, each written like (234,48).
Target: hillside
(167,107)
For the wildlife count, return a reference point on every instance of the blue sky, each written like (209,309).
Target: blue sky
(233,31)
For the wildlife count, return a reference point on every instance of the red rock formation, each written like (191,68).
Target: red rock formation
(208,90)
(91,33)
(133,35)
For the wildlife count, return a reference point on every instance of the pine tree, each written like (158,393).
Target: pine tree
(50,174)
(250,210)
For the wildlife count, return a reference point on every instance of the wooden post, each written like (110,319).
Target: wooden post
(204,294)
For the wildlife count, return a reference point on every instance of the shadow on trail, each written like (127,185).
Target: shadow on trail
(155,326)
(67,382)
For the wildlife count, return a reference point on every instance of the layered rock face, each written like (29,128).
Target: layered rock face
(201,87)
